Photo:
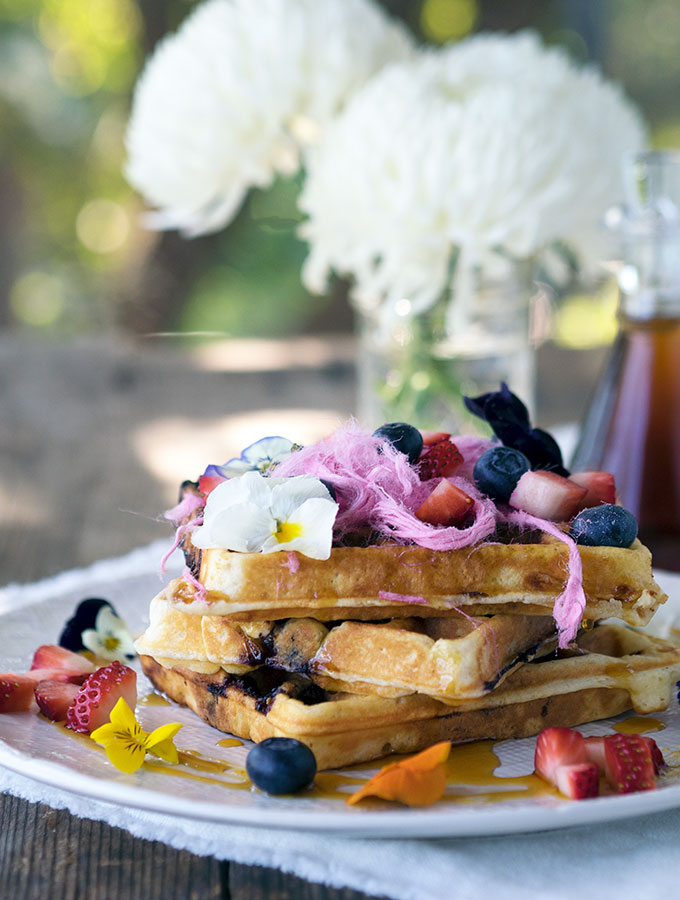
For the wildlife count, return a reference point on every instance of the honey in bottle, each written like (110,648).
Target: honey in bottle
(633,425)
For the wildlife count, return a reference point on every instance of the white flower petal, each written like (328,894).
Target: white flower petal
(315,518)
(243,527)
(269,449)
(290,493)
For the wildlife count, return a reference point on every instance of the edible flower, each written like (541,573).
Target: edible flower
(419,780)
(126,743)
(262,456)
(109,638)
(254,514)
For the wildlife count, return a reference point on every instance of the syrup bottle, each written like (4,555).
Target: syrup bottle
(633,426)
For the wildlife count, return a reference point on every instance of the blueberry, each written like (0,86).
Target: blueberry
(83,618)
(604,526)
(281,765)
(404,437)
(498,470)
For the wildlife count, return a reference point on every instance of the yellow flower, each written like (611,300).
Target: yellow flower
(126,743)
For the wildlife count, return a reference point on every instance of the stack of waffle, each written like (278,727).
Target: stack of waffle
(390,648)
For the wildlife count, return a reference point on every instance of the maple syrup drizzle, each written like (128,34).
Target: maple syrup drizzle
(639,725)
(153,699)
(230,742)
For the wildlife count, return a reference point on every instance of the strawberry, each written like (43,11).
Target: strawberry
(54,698)
(16,690)
(433,437)
(628,764)
(579,781)
(446,505)
(440,459)
(658,761)
(99,694)
(600,488)
(208,483)
(557,747)
(548,496)
(595,751)
(50,656)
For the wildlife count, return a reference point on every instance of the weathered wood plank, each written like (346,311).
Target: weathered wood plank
(47,854)
(257,883)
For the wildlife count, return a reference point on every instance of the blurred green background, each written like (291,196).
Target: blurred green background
(74,258)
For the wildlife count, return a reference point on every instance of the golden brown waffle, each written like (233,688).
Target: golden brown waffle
(449,657)
(619,669)
(361,582)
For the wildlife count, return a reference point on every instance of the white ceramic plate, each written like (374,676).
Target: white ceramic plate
(33,747)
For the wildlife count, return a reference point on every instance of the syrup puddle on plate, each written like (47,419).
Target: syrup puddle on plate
(153,699)
(639,725)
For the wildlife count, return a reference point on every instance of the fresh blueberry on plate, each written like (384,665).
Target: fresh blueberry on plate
(498,470)
(281,765)
(606,525)
(403,437)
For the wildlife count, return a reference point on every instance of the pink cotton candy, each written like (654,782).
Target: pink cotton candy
(394,597)
(200,592)
(184,508)
(180,533)
(376,486)
(569,606)
(292,562)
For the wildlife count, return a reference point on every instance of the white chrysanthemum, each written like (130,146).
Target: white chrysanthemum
(226,103)
(495,143)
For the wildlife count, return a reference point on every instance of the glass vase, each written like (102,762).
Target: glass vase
(415,367)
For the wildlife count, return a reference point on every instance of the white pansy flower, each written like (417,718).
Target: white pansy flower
(496,143)
(254,514)
(109,639)
(236,94)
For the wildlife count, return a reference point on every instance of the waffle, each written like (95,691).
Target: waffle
(365,582)
(449,657)
(616,669)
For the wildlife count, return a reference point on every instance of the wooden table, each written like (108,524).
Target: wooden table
(95,436)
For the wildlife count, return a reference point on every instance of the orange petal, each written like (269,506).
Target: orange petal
(417,781)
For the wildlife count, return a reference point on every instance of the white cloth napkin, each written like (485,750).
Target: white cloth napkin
(627,860)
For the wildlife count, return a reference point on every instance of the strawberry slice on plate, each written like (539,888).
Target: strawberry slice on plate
(548,496)
(446,505)
(51,656)
(439,460)
(54,698)
(16,690)
(600,487)
(578,782)
(561,758)
(98,695)
(628,763)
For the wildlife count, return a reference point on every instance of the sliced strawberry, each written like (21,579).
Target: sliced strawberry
(557,747)
(446,505)
(658,761)
(579,781)
(600,488)
(16,692)
(548,496)
(50,656)
(208,483)
(54,698)
(628,764)
(433,437)
(99,694)
(595,751)
(440,460)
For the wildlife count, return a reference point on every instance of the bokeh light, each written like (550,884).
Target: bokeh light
(446,20)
